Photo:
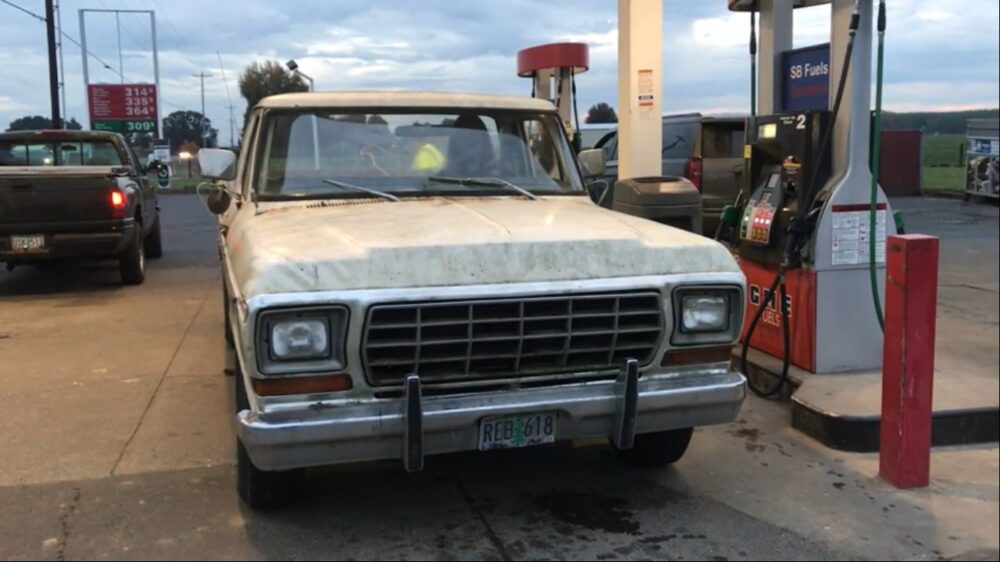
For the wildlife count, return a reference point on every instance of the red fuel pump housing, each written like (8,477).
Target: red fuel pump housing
(801,302)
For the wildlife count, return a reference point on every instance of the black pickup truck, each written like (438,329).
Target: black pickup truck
(76,194)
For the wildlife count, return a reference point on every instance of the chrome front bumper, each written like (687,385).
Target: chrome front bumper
(415,426)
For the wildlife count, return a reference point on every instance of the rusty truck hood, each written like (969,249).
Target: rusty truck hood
(374,244)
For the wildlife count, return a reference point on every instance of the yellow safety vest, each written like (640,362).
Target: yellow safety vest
(428,157)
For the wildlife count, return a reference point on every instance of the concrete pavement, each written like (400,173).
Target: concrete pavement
(117,444)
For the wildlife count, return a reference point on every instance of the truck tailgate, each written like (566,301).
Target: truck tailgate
(47,198)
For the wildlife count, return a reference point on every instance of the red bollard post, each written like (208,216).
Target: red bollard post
(908,360)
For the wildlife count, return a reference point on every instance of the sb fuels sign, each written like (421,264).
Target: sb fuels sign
(806,78)
(123,108)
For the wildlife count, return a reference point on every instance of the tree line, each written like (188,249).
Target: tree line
(942,122)
(929,122)
(259,80)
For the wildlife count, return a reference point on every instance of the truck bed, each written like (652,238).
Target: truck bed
(46,199)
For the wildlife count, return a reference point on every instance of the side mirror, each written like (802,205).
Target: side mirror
(592,162)
(218,201)
(154,167)
(217,164)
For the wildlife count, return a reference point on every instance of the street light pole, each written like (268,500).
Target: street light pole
(294,67)
(315,131)
(312,84)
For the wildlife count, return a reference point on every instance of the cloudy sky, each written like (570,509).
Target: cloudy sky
(940,54)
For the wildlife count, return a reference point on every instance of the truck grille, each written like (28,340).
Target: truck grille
(504,338)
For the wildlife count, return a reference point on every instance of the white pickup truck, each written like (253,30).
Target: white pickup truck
(410,274)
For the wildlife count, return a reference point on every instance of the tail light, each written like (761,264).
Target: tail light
(693,172)
(117,201)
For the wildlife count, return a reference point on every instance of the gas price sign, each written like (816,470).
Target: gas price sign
(122,108)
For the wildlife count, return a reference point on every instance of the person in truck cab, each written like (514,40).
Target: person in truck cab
(426,157)
(470,153)
(102,155)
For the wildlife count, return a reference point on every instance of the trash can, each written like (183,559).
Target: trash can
(670,200)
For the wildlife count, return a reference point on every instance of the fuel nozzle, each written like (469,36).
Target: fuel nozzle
(791,169)
(800,229)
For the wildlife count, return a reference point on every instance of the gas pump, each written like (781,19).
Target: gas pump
(802,230)
(553,68)
(781,146)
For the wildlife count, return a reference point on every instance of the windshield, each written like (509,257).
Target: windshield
(61,153)
(406,153)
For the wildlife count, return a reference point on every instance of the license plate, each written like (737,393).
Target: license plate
(511,432)
(33,243)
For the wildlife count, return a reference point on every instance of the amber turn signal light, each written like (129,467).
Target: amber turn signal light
(681,357)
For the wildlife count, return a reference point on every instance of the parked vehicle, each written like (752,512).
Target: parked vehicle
(76,194)
(432,277)
(592,133)
(708,150)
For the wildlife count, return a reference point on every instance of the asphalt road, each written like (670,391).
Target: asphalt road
(116,444)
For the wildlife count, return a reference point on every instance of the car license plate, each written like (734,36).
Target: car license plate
(33,243)
(511,432)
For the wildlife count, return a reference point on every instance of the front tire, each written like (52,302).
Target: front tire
(259,489)
(132,263)
(660,448)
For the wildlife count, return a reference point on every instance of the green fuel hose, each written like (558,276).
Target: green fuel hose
(875,162)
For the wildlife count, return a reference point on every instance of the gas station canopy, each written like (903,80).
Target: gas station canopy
(754,5)
(553,55)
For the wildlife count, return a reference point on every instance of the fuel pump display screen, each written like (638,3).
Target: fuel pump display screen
(760,224)
(758,219)
(767,131)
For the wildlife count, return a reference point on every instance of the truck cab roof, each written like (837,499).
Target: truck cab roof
(58,134)
(407,99)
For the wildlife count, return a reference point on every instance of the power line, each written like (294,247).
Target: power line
(70,38)
(173,29)
(67,36)
(128,30)
(32,14)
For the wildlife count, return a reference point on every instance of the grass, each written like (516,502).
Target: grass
(942,168)
(184,185)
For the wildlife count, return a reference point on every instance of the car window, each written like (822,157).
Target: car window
(722,140)
(590,137)
(609,144)
(679,139)
(402,151)
(62,153)
(13,154)
(249,136)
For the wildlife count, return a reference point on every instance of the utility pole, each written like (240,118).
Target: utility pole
(50,32)
(59,47)
(229,100)
(202,75)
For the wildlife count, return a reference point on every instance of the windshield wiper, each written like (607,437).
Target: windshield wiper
(370,191)
(484,181)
